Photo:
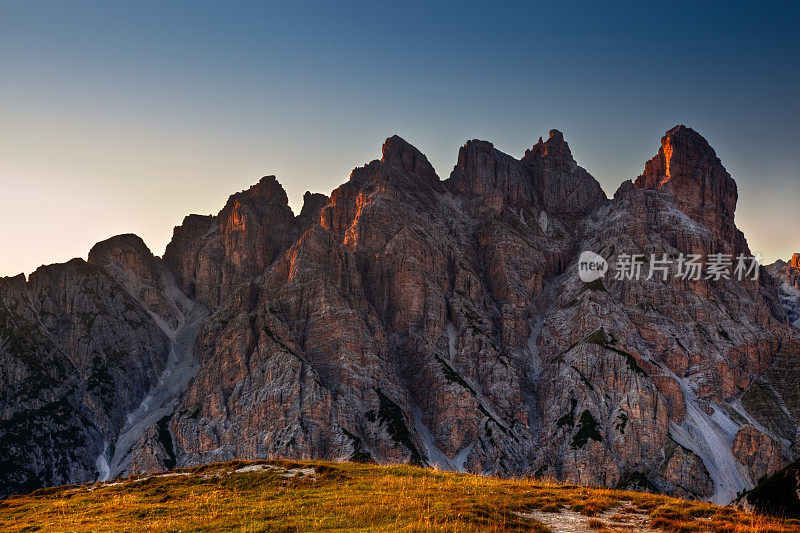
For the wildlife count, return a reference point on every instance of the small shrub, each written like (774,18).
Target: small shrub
(591,510)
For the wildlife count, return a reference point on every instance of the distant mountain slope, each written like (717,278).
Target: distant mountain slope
(417,320)
(77,354)
(788,277)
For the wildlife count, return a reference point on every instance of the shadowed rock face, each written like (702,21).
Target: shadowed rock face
(787,277)
(409,319)
(566,189)
(404,157)
(128,259)
(77,353)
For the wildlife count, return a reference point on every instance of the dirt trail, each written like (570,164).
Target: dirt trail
(616,519)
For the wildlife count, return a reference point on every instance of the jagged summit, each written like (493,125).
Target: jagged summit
(126,249)
(483,171)
(309,213)
(546,178)
(312,203)
(555,152)
(681,131)
(688,169)
(686,156)
(406,158)
(566,188)
(268,192)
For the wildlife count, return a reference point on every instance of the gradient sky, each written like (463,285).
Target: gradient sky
(120,117)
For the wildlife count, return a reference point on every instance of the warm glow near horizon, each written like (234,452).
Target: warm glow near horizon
(118,119)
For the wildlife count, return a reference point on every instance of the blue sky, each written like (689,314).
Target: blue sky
(124,117)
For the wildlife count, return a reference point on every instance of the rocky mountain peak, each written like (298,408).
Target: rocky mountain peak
(794,262)
(313,202)
(309,214)
(547,177)
(128,260)
(406,158)
(13,283)
(127,251)
(210,256)
(688,169)
(496,177)
(268,192)
(553,153)
(566,189)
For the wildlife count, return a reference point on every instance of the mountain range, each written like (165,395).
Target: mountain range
(411,319)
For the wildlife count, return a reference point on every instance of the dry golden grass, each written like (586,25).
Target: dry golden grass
(345,496)
(596,523)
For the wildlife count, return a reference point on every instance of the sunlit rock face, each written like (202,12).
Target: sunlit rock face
(212,255)
(688,170)
(443,322)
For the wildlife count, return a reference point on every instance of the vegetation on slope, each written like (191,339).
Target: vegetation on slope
(778,494)
(311,496)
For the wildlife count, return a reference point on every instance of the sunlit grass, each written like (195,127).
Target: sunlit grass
(345,496)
